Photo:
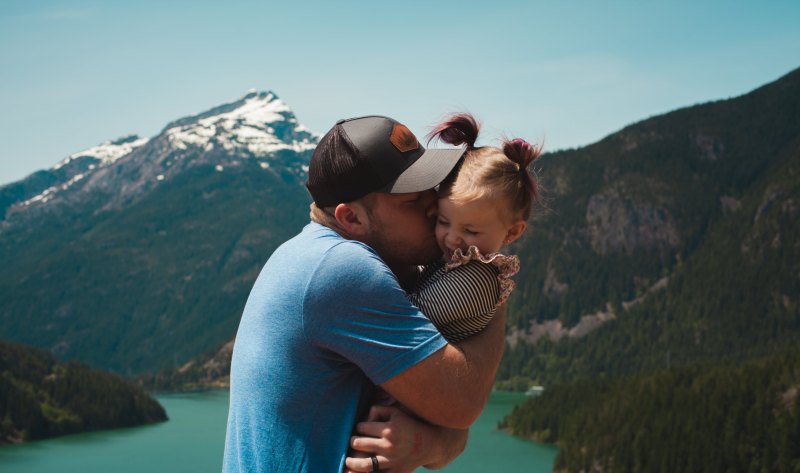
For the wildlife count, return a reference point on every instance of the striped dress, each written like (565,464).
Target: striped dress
(461,296)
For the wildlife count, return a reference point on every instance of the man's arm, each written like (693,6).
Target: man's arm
(402,443)
(450,387)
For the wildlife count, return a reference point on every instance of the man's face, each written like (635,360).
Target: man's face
(402,227)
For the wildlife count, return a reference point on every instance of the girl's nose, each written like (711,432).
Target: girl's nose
(453,239)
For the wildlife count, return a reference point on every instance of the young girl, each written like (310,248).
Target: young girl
(483,205)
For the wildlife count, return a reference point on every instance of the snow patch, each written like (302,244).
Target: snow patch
(106,152)
(247,126)
(47,194)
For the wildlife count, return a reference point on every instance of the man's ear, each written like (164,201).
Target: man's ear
(515,231)
(352,219)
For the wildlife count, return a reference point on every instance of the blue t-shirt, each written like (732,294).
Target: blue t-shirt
(325,320)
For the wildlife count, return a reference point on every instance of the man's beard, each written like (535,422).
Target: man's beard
(395,251)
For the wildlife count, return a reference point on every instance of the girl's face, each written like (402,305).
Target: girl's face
(477,223)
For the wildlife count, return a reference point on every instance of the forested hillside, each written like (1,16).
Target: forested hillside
(41,398)
(687,248)
(143,258)
(703,418)
(695,366)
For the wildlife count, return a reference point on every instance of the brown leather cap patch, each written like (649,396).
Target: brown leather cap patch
(403,139)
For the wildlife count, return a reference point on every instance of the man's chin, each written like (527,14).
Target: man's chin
(430,257)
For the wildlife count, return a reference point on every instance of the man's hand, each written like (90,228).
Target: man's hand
(402,443)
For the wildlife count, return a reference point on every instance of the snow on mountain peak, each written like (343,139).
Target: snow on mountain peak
(108,151)
(259,122)
(259,125)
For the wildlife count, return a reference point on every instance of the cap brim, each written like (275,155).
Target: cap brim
(427,172)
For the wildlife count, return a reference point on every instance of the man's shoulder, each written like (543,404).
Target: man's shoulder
(335,256)
(316,240)
(335,244)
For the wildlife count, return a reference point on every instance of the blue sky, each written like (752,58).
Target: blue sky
(77,73)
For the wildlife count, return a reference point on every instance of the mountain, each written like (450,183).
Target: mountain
(672,285)
(139,253)
(671,241)
(41,398)
(258,127)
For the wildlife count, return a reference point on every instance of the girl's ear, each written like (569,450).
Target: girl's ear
(514,231)
(352,219)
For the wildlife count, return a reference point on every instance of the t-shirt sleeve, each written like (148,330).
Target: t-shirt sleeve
(355,309)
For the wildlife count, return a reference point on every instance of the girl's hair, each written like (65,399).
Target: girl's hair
(488,171)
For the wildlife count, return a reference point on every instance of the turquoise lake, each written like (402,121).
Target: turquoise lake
(193,439)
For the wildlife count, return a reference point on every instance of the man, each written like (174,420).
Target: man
(327,319)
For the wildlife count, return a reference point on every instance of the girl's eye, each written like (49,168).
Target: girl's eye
(441,221)
(471,232)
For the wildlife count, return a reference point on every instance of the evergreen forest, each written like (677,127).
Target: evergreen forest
(41,397)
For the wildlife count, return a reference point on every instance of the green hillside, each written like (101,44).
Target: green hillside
(153,285)
(732,418)
(715,220)
(698,369)
(41,398)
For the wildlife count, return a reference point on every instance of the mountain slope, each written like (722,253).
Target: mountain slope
(696,371)
(627,209)
(665,231)
(147,260)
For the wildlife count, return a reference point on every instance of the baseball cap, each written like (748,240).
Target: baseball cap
(374,154)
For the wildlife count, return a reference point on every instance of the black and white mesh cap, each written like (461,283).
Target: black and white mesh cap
(374,154)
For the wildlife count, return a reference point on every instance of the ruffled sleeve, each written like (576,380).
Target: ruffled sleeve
(460,296)
(506,265)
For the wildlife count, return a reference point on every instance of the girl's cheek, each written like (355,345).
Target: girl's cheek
(439,231)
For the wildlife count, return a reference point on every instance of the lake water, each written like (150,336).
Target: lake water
(193,439)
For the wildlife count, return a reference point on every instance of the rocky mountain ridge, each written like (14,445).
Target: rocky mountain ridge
(258,126)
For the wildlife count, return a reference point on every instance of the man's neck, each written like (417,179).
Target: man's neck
(406,275)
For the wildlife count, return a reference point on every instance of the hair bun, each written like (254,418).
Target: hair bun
(524,153)
(521,152)
(457,129)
